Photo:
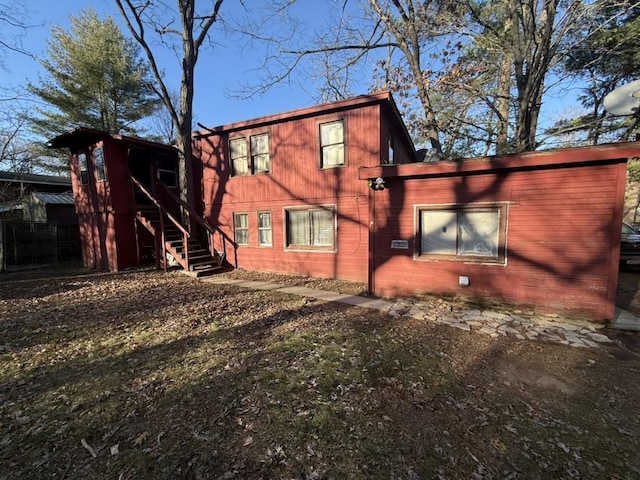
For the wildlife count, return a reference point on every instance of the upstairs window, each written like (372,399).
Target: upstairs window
(167,171)
(464,233)
(260,153)
(390,159)
(98,157)
(252,157)
(82,164)
(238,154)
(332,144)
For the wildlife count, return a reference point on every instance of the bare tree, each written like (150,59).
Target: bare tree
(191,32)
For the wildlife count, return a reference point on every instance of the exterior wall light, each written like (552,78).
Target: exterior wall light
(377,184)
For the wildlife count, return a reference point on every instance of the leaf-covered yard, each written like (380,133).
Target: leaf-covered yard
(152,375)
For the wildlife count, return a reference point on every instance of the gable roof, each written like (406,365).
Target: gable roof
(83,136)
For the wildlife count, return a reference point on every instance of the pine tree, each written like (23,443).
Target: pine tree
(95,79)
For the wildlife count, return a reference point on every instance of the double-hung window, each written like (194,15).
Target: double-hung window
(239,158)
(250,156)
(464,233)
(241,228)
(265,230)
(311,228)
(332,144)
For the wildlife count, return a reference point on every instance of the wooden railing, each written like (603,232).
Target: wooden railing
(212,231)
(162,210)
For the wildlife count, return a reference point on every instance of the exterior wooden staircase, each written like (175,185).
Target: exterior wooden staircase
(175,243)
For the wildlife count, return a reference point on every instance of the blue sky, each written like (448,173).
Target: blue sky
(220,69)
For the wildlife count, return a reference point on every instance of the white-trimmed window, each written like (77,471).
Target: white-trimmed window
(260,158)
(250,157)
(82,165)
(332,144)
(241,228)
(98,158)
(239,158)
(265,229)
(311,228)
(463,232)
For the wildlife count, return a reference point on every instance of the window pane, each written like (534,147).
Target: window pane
(240,166)
(238,148)
(322,227)
(333,155)
(260,144)
(331,133)
(264,220)
(478,233)
(438,231)
(261,163)
(298,227)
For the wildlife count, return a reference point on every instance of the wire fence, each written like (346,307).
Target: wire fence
(24,244)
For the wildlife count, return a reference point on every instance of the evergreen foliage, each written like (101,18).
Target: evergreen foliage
(95,79)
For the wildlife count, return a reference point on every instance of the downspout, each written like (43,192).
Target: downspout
(372,242)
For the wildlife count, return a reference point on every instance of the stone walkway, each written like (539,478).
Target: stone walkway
(522,325)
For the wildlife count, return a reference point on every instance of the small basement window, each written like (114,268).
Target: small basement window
(463,233)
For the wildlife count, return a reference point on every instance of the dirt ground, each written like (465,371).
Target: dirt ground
(144,374)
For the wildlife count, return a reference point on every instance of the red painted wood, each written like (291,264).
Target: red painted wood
(560,247)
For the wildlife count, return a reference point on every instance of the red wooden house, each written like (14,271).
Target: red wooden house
(125,192)
(336,190)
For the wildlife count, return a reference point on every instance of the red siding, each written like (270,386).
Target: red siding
(296,179)
(560,254)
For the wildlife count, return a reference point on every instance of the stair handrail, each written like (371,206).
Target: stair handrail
(202,221)
(178,224)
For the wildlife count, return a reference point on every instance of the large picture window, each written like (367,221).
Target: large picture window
(465,233)
(332,144)
(250,157)
(311,228)
(241,228)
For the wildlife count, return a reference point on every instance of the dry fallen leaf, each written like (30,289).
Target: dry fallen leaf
(84,443)
(115,449)
(141,438)
(248,441)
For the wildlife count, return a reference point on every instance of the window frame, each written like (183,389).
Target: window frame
(99,164)
(83,167)
(164,173)
(250,157)
(502,210)
(253,155)
(237,228)
(310,233)
(322,146)
(262,229)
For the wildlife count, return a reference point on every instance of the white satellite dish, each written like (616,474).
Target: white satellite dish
(624,100)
